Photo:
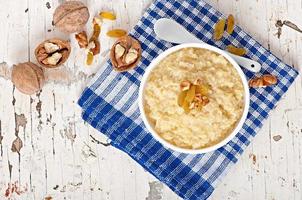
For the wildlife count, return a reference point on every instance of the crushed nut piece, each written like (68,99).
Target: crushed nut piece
(205,100)
(198,97)
(185,85)
(263,81)
(197,82)
(91,45)
(94,47)
(97,20)
(192,105)
(82,39)
(50,47)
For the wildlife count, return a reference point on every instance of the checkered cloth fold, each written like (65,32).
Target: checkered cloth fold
(109,102)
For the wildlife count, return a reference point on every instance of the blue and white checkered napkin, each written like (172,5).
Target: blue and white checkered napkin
(110,102)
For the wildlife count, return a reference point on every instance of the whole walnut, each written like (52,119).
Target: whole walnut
(71,16)
(28,77)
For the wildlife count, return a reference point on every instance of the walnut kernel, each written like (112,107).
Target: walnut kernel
(82,39)
(53,59)
(263,81)
(50,47)
(119,51)
(131,56)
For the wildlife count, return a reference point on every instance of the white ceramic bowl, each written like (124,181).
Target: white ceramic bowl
(154,63)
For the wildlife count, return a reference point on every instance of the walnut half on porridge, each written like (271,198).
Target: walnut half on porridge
(193,96)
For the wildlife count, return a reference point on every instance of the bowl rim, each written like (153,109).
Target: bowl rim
(143,83)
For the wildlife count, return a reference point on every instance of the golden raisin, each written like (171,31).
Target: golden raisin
(219,29)
(181,98)
(202,89)
(237,51)
(89,58)
(191,94)
(186,107)
(230,24)
(107,15)
(116,33)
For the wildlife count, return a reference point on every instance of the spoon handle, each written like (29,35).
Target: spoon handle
(246,63)
(171,31)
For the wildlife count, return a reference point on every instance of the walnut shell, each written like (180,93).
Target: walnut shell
(44,57)
(71,16)
(28,77)
(122,52)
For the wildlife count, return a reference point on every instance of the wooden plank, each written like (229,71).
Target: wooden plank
(60,158)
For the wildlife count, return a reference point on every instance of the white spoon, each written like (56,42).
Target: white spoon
(170,31)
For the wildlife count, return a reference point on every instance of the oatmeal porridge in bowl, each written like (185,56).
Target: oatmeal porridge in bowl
(194,98)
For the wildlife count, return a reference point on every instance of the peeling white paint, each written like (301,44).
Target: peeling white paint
(62,166)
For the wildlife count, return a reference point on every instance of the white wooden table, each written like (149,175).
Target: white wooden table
(64,158)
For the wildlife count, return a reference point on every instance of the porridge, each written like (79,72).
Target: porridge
(194,126)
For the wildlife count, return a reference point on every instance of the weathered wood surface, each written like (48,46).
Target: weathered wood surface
(64,158)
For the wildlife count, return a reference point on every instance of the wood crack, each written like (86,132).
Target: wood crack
(279,24)
(1,138)
(94,140)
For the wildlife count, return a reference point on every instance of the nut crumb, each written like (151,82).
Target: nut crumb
(254,158)
(277,138)
(94,47)
(185,85)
